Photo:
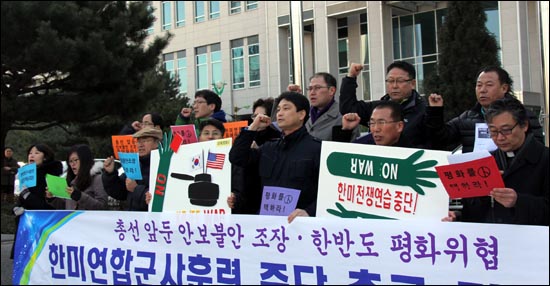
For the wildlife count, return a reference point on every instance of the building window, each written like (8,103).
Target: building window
(182,71)
(168,60)
(201,56)
(166,15)
(415,41)
(216,63)
(415,38)
(253,61)
(177,68)
(245,60)
(235,7)
(493,21)
(214,9)
(365,74)
(343,46)
(200,11)
(237,63)
(151,29)
(251,5)
(180,13)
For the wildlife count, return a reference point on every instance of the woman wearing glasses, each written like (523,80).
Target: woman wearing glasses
(85,187)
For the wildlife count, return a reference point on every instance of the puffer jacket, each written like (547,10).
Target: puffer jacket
(414,111)
(461,129)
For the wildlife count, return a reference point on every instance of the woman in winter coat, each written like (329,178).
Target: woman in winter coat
(34,198)
(85,186)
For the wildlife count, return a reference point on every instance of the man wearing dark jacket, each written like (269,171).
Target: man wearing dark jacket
(400,83)
(519,156)
(207,105)
(290,162)
(386,125)
(123,188)
(492,83)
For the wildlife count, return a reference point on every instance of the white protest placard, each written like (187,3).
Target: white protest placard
(196,179)
(483,140)
(370,181)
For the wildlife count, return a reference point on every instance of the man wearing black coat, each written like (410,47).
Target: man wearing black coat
(126,189)
(290,162)
(524,163)
(386,126)
(492,83)
(400,83)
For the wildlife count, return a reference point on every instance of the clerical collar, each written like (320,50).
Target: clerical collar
(510,154)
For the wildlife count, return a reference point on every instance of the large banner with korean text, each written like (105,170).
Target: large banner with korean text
(106,247)
(370,181)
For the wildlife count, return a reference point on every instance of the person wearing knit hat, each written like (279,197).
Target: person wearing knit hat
(123,188)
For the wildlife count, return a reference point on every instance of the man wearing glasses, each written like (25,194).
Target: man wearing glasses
(324,113)
(150,119)
(400,84)
(386,126)
(493,83)
(523,162)
(125,189)
(207,104)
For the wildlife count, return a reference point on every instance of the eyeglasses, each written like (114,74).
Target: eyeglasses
(399,81)
(504,132)
(73,161)
(199,102)
(380,123)
(255,115)
(315,88)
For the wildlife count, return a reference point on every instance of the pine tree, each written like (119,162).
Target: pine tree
(75,62)
(465,46)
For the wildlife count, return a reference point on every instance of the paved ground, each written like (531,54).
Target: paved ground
(7,263)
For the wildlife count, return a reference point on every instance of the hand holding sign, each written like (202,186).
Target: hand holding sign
(474,178)
(279,201)
(505,196)
(130,164)
(57,186)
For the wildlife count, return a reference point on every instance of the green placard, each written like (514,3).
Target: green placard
(57,186)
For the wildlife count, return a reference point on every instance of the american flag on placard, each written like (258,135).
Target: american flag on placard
(215,160)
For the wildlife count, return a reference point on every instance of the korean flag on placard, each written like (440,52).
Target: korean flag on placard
(196,162)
